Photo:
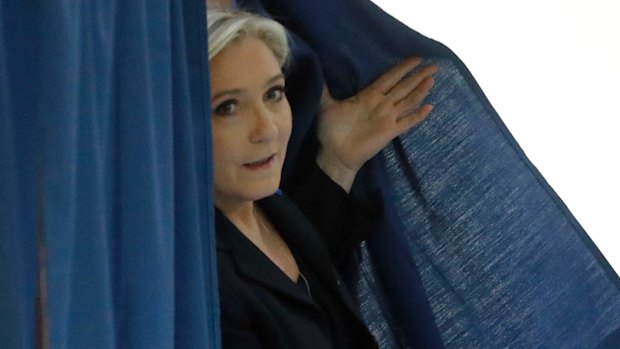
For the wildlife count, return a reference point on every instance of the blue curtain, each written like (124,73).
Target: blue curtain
(105,175)
(474,250)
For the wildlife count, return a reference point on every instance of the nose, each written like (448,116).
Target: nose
(265,127)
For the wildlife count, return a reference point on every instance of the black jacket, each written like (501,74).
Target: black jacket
(261,307)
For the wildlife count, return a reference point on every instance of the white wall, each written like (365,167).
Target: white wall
(551,69)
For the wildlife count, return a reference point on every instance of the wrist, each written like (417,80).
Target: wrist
(336,170)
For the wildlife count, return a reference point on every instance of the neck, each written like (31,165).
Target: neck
(243,215)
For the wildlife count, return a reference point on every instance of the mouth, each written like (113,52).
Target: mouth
(260,164)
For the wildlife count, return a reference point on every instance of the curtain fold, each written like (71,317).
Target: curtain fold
(471,233)
(20,185)
(105,166)
(106,142)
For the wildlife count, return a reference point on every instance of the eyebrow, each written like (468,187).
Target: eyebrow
(236,91)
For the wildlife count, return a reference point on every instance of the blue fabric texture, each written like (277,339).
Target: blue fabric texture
(19,199)
(105,156)
(475,249)
(105,166)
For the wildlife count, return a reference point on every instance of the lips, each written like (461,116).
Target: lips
(260,164)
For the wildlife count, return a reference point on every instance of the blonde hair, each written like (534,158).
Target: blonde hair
(227,26)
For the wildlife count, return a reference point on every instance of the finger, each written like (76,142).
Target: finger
(391,77)
(416,97)
(407,121)
(412,83)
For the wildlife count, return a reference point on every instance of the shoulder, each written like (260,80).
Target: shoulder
(292,223)
(279,207)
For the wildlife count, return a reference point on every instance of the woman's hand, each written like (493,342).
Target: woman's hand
(352,131)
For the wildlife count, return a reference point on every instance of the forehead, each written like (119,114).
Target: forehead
(245,62)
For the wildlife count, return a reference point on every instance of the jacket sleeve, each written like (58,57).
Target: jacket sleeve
(342,221)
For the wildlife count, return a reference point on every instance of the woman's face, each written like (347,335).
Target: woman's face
(251,122)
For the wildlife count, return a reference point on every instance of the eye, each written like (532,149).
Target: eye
(228,107)
(275,94)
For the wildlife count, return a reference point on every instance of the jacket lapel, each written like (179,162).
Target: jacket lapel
(250,262)
(299,232)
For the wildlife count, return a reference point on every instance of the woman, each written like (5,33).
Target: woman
(278,287)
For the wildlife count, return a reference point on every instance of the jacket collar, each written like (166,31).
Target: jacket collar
(294,228)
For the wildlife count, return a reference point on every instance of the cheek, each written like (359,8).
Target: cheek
(286,124)
(286,130)
(222,161)
(218,146)
(223,146)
